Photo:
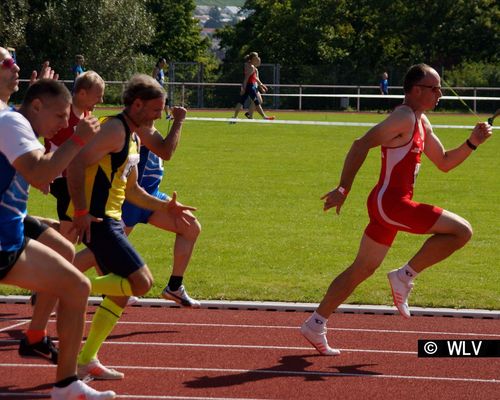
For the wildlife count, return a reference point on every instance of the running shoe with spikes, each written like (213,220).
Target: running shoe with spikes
(95,370)
(78,390)
(44,349)
(270,118)
(318,340)
(180,296)
(400,293)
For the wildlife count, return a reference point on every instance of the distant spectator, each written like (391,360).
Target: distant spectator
(78,68)
(159,75)
(384,84)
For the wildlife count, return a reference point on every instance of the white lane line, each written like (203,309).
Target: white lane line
(8,328)
(365,330)
(231,346)
(279,372)
(302,122)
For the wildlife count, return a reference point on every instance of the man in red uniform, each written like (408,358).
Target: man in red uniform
(403,137)
(87,93)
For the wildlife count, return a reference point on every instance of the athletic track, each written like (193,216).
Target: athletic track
(172,353)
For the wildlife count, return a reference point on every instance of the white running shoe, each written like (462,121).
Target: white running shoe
(318,340)
(95,370)
(80,391)
(180,296)
(400,293)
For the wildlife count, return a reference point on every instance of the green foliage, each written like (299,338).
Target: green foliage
(108,33)
(474,74)
(177,34)
(364,37)
(13,18)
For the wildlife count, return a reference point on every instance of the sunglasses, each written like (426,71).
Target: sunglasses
(433,88)
(7,63)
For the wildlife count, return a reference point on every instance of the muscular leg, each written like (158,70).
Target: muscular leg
(450,233)
(43,270)
(370,256)
(185,239)
(45,302)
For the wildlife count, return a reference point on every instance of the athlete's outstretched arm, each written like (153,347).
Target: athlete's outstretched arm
(446,160)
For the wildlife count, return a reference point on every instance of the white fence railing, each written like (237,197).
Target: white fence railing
(180,91)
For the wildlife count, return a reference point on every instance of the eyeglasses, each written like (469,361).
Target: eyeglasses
(433,88)
(7,63)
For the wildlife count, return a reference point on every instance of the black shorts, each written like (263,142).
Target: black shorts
(112,250)
(59,189)
(33,227)
(9,258)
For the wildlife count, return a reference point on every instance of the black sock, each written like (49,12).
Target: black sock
(175,282)
(66,381)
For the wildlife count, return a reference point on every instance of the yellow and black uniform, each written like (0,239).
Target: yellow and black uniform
(105,184)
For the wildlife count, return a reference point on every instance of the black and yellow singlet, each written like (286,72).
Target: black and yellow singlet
(105,182)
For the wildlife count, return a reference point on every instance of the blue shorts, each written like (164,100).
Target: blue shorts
(112,250)
(133,215)
(250,91)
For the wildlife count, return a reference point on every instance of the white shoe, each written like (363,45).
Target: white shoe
(180,296)
(318,340)
(95,370)
(400,293)
(80,391)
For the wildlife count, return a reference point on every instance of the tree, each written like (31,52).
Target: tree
(108,33)
(177,34)
(13,19)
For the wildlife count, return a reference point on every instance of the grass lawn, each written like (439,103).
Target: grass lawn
(264,234)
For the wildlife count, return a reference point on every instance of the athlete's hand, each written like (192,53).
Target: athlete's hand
(81,227)
(45,73)
(242,91)
(179,113)
(87,127)
(333,199)
(482,131)
(178,210)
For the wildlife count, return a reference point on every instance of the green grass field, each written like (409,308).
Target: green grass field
(265,237)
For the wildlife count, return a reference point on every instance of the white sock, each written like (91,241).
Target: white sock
(316,322)
(406,273)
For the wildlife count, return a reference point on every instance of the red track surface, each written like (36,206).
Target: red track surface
(170,353)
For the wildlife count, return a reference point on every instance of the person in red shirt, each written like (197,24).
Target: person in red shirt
(402,137)
(88,92)
(250,86)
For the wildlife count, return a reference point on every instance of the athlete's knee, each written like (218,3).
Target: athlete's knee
(464,232)
(77,292)
(194,230)
(142,282)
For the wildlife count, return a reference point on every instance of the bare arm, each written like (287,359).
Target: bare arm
(154,141)
(110,139)
(139,197)
(446,160)
(390,132)
(40,169)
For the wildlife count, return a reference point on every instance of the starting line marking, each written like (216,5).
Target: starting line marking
(278,372)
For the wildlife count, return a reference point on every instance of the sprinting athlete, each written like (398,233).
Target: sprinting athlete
(28,263)
(155,149)
(100,177)
(403,137)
